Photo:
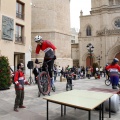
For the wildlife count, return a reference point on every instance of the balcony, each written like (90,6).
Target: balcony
(19,39)
(20,15)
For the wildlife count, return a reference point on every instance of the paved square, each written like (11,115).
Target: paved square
(36,106)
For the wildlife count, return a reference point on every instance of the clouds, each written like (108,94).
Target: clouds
(75,7)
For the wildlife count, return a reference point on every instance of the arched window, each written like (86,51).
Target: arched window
(111,2)
(88,31)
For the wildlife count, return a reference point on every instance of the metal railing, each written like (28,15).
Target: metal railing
(20,15)
(19,39)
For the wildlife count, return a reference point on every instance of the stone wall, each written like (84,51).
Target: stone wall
(51,20)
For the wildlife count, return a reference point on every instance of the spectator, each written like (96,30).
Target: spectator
(89,72)
(55,72)
(101,71)
(107,72)
(19,80)
(35,72)
(59,70)
(62,72)
(83,70)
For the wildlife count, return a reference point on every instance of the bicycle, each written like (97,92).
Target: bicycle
(44,82)
(108,82)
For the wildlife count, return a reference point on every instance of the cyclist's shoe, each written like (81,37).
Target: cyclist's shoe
(114,87)
(36,61)
(119,86)
(49,94)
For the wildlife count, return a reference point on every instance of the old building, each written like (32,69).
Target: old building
(101,29)
(15,31)
(51,20)
(74,46)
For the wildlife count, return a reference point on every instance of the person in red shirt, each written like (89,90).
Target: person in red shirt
(113,69)
(49,49)
(19,80)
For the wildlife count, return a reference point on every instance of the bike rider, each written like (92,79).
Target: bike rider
(49,49)
(113,69)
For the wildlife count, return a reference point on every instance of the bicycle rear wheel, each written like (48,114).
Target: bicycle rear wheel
(107,82)
(44,83)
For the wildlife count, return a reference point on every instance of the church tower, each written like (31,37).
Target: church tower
(101,29)
(51,20)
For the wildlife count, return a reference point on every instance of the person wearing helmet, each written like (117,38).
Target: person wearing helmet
(49,49)
(113,69)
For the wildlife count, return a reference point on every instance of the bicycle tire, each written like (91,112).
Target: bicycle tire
(44,83)
(107,82)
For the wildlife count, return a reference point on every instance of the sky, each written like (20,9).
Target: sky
(75,7)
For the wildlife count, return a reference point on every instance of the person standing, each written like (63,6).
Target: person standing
(59,71)
(101,71)
(36,72)
(113,69)
(55,72)
(19,80)
(89,72)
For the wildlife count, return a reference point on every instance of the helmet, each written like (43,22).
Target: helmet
(115,60)
(37,38)
(107,64)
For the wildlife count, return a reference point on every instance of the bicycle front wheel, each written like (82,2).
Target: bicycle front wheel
(107,82)
(44,83)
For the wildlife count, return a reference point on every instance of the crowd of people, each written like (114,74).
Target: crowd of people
(70,73)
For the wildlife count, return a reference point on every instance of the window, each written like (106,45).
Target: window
(20,10)
(72,41)
(19,34)
(88,31)
(73,37)
(111,2)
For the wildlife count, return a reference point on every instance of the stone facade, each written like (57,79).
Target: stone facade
(51,20)
(75,54)
(103,32)
(16,48)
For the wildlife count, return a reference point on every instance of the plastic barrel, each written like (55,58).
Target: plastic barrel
(114,103)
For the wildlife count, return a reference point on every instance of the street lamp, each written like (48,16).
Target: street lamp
(99,58)
(90,50)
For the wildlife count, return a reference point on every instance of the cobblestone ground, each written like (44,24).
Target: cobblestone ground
(36,106)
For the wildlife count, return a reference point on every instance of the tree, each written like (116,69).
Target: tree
(5,74)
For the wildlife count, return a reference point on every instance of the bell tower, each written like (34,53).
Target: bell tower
(51,20)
